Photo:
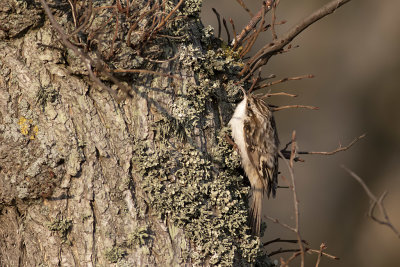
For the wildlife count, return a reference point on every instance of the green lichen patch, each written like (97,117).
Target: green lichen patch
(46,95)
(223,153)
(188,8)
(210,204)
(189,107)
(63,227)
(139,237)
(213,61)
(114,254)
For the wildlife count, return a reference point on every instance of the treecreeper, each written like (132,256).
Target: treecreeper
(254,132)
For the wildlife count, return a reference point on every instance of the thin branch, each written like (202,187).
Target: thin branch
(87,15)
(268,77)
(321,247)
(136,23)
(280,250)
(73,11)
(375,203)
(241,3)
(286,153)
(339,149)
(294,106)
(162,61)
(287,49)
(274,220)
(170,36)
(234,31)
(253,22)
(226,29)
(302,249)
(84,57)
(264,54)
(309,250)
(278,94)
(286,264)
(279,240)
(114,37)
(164,20)
(254,36)
(273,19)
(308,76)
(219,21)
(90,62)
(295,199)
(292,155)
(255,81)
(146,72)
(98,81)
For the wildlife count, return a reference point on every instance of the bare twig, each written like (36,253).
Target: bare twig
(273,19)
(278,94)
(114,37)
(226,29)
(294,106)
(136,23)
(87,15)
(164,20)
(146,72)
(219,21)
(98,64)
(286,153)
(264,54)
(321,247)
(234,30)
(376,202)
(276,240)
(280,250)
(295,199)
(339,149)
(268,77)
(301,249)
(287,49)
(275,220)
(286,264)
(253,22)
(241,3)
(254,36)
(84,57)
(309,250)
(162,61)
(308,76)
(255,81)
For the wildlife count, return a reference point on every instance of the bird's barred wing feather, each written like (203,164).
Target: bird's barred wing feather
(262,144)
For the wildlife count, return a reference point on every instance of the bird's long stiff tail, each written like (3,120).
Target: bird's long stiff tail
(256,208)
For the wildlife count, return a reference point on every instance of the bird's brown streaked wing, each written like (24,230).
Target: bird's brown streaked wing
(261,146)
(253,150)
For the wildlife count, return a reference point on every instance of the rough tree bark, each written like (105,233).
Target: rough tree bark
(93,178)
(113,146)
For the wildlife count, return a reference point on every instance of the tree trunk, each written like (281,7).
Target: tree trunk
(146,179)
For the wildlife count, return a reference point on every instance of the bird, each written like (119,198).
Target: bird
(255,135)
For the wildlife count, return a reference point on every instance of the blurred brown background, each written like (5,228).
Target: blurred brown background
(355,56)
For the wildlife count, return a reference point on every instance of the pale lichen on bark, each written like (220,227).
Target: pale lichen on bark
(201,189)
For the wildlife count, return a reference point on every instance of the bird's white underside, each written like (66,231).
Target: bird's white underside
(237,126)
